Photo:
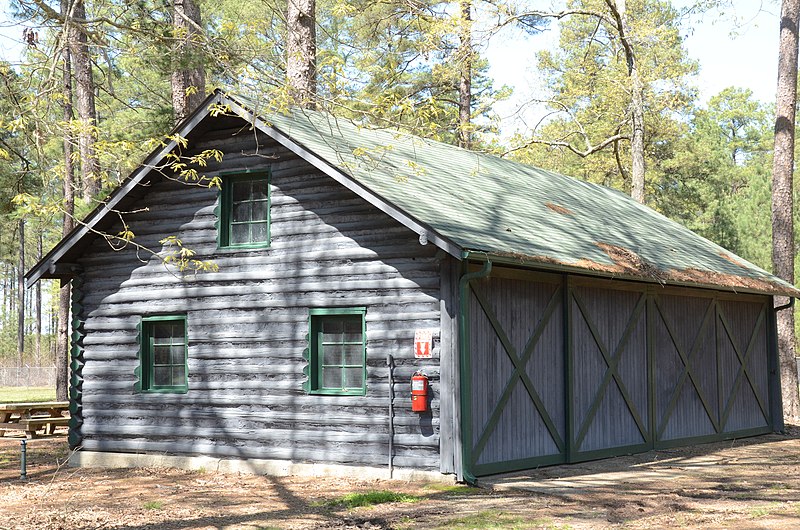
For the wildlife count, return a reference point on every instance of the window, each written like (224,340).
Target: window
(244,211)
(338,351)
(163,354)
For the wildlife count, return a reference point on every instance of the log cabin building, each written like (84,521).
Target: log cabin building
(556,320)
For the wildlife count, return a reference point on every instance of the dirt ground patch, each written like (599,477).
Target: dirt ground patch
(750,483)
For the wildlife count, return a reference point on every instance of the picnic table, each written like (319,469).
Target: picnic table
(30,417)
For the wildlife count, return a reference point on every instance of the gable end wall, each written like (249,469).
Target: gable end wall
(248,323)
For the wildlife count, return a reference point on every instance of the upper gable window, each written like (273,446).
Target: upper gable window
(244,211)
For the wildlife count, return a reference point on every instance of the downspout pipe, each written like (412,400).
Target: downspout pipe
(390,364)
(785,306)
(463,342)
(776,401)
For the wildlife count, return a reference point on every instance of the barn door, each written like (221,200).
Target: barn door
(562,369)
(686,398)
(516,375)
(609,411)
(744,369)
(712,368)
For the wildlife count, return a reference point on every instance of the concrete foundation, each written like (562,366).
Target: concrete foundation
(277,468)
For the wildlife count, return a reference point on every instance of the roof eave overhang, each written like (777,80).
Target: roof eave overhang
(533,264)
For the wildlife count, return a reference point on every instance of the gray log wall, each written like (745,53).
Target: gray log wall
(248,323)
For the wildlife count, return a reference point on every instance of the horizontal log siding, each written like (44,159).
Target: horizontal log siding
(248,323)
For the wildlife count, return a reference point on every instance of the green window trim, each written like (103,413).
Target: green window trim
(244,218)
(342,358)
(176,366)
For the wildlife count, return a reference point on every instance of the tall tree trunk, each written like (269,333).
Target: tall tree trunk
(188,73)
(21,294)
(782,202)
(62,334)
(465,54)
(301,52)
(12,279)
(84,99)
(38,304)
(618,10)
(637,136)
(5,290)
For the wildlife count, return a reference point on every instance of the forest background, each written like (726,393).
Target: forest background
(401,64)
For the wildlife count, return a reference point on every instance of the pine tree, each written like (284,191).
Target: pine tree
(782,201)
(188,73)
(301,52)
(617,81)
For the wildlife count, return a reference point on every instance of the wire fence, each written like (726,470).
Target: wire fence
(27,376)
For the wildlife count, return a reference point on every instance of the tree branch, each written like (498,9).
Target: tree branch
(623,36)
(558,143)
(558,15)
(620,166)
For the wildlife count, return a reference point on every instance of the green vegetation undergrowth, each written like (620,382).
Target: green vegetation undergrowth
(370,498)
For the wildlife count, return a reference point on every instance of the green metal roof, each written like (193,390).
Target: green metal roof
(489,204)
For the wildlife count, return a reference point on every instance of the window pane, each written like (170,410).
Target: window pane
(161,375)
(352,337)
(240,234)
(241,191)
(338,352)
(332,354)
(164,353)
(332,330)
(162,331)
(241,212)
(259,232)
(353,324)
(259,211)
(353,377)
(178,376)
(259,190)
(178,354)
(353,354)
(246,212)
(331,377)
(161,354)
(352,329)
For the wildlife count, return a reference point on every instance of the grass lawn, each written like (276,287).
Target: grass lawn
(24,394)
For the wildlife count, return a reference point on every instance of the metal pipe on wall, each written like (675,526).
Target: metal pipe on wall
(390,364)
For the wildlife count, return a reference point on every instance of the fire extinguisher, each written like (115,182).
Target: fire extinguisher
(419,392)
